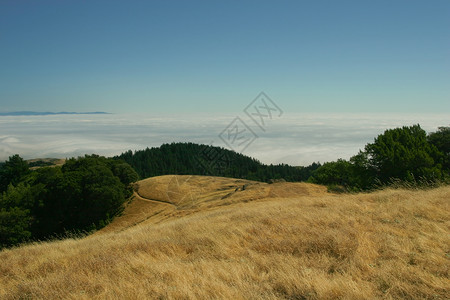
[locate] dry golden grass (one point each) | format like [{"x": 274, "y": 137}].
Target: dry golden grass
[
  {"x": 158, "y": 199},
  {"x": 286, "y": 240}
]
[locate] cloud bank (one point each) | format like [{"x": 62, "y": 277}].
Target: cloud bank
[{"x": 297, "y": 139}]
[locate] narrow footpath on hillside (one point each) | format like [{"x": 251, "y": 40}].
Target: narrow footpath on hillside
[{"x": 139, "y": 197}]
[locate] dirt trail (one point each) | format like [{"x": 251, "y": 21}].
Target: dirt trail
[{"x": 139, "y": 197}]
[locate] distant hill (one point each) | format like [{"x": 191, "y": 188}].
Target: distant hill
[
  {"x": 45, "y": 162},
  {"x": 47, "y": 113},
  {"x": 196, "y": 159}
]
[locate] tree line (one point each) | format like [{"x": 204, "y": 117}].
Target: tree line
[
  {"x": 407, "y": 154},
  {"x": 195, "y": 159}
]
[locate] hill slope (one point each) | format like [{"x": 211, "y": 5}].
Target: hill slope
[
  {"x": 171, "y": 196},
  {"x": 285, "y": 240}
]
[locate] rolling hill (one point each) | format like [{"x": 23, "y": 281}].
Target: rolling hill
[
  {"x": 191, "y": 237},
  {"x": 172, "y": 196}
]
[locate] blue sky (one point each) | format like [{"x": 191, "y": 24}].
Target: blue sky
[{"x": 216, "y": 56}]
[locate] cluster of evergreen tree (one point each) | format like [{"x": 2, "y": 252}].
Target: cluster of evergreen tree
[
  {"x": 82, "y": 195},
  {"x": 404, "y": 154},
  {"x": 195, "y": 159}
]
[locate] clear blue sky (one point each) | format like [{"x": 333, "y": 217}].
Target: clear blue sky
[{"x": 216, "y": 56}]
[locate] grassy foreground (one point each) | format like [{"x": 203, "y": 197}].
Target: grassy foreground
[{"x": 211, "y": 238}]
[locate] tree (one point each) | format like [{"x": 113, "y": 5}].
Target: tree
[
  {"x": 84, "y": 194},
  {"x": 123, "y": 171},
  {"x": 441, "y": 140},
  {"x": 194, "y": 159},
  {"x": 364, "y": 175},
  {"x": 404, "y": 153},
  {"x": 12, "y": 171},
  {"x": 15, "y": 217},
  {"x": 14, "y": 226},
  {"x": 340, "y": 172}
]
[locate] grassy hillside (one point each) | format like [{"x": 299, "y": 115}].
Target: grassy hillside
[
  {"x": 189, "y": 237},
  {"x": 172, "y": 196}
]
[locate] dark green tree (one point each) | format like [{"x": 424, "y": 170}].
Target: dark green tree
[
  {"x": 195, "y": 159},
  {"x": 123, "y": 171},
  {"x": 363, "y": 175},
  {"x": 441, "y": 140},
  {"x": 339, "y": 173},
  {"x": 15, "y": 217},
  {"x": 14, "y": 226},
  {"x": 84, "y": 194},
  {"x": 12, "y": 171},
  {"x": 405, "y": 154}
]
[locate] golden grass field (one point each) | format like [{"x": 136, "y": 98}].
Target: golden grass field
[{"x": 194, "y": 237}]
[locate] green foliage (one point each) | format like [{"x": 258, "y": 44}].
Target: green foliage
[
  {"x": 12, "y": 172},
  {"x": 404, "y": 153},
  {"x": 84, "y": 194},
  {"x": 123, "y": 171},
  {"x": 333, "y": 173},
  {"x": 338, "y": 175},
  {"x": 14, "y": 226},
  {"x": 398, "y": 155},
  {"x": 18, "y": 196},
  {"x": 194, "y": 159},
  {"x": 364, "y": 176},
  {"x": 441, "y": 140}
]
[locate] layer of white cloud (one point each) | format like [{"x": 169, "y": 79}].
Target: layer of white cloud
[{"x": 297, "y": 139}]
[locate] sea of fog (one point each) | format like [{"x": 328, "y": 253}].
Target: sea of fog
[{"x": 297, "y": 139}]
